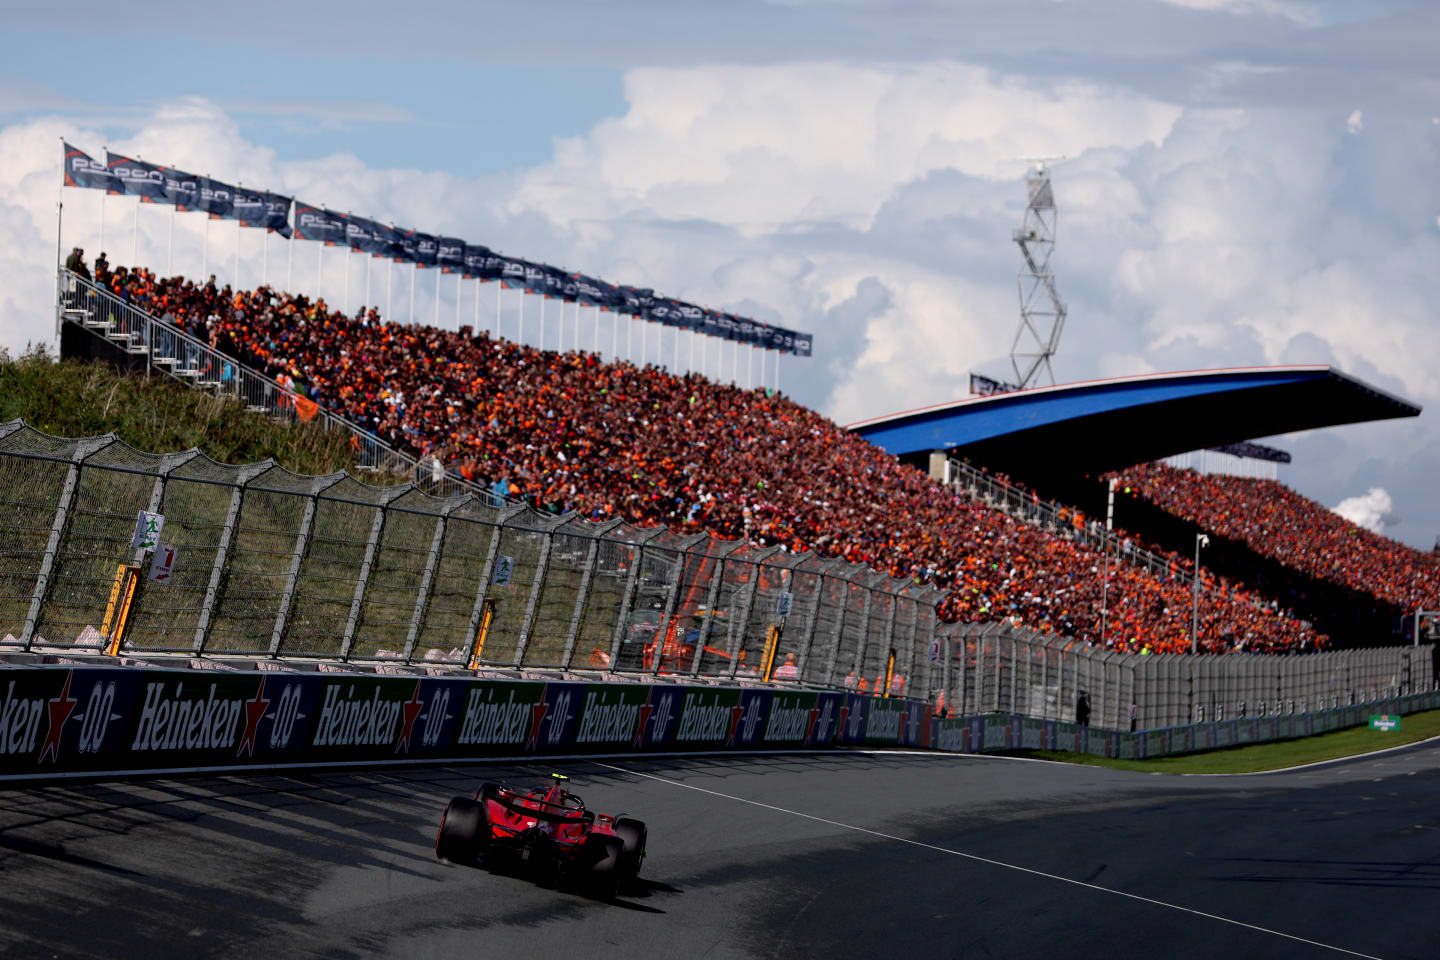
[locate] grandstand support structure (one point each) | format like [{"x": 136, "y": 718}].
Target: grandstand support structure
[{"x": 1042, "y": 312}]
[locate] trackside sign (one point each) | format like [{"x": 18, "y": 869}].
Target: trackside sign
[{"x": 82, "y": 719}]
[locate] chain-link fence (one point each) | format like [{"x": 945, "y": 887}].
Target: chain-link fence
[
  {"x": 999, "y": 668},
  {"x": 271, "y": 563}
]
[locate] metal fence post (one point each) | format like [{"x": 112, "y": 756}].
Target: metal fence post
[
  {"x": 834, "y": 657},
  {"x": 478, "y": 611},
  {"x": 222, "y": 552},
  {"x": 737, "y": 633},
  {"x": 670, "y": 597},
  {"x": 586, "y": 576},
  {"x": 910, "y": 654},
  {"x": 83, "y": 450},
  {"x": 864, "y": 635},
  {"x": 427, "y": 579},
  {"x": 528, "y": 620},
  {"x": 302, "y": 545},
  {"x": 708, "y": 623},
  {"x": 628, "y": 599},
  {"x": 362, "y": 583},
  {"x": 809, "y": 640}
]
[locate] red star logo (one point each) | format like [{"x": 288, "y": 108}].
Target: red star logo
[
  {"x": 254, "y": 710},
  {"x": 537, "y": 713},
  {"x": 735, "y": 713},
  {"x": 844, "y": 712},
  {"x": 645, "y": 711},
  {"x": 412, "y": 710},
  {"x": 810, "y": 730},
  {"x": 904, "y": 724},
  {"x": 60, "y": 708}
]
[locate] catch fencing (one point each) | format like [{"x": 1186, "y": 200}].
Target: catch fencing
[
  {"x": 1002, "y": 668},
  {"x": 271, "y": 563}
]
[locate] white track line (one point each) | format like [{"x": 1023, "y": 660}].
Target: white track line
[{"x": 993, "y": 863}]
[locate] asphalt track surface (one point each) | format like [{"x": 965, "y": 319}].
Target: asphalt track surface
[{"x": 838, "y": 855}]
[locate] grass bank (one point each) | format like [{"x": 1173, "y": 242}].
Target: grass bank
[
  {"x": 158, "y": 415},
  {"x": 1269, "y": 756}
]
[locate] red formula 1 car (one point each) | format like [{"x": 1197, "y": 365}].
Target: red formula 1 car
[{"x": 545, "y": 830}]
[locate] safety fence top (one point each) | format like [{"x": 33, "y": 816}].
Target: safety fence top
[{"x": 255, "y": 560}]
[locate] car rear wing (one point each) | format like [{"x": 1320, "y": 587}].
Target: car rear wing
[{"x": 538, "y": 809}]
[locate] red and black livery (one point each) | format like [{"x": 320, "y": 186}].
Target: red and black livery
[{"x": 545, "y": 830}]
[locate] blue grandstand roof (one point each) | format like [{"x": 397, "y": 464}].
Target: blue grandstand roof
[{"x": 1101, "y": 425}]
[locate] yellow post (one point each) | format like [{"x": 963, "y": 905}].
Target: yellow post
[
  {"x": 117, "y": 611},
  {"x": 772, "y": 643},
  {"x": 480, "y": 636},
  {"x": 889, "y": 672}
]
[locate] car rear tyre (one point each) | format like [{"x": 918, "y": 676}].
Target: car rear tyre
[
  {"x": 464, "y": 831},
  {"x": 632, "y": 837},
  {"x": 605, "y": 876}
]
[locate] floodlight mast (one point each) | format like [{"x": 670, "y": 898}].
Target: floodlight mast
[{"x": 1042, "y": 314}]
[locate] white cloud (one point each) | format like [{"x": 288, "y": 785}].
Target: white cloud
[
  {"x": 1372, "y": 510},
  {"x": 1295, "y": 10},
  {"x": 1355, "y": 122}
]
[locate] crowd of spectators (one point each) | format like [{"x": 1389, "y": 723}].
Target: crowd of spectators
[
  {"x": 1276, "y": 522},
  {"x": 568, "y": 431}
]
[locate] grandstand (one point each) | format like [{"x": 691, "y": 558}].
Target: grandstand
[{"x": 568, "y": 432}]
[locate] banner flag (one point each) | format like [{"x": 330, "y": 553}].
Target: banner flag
[
  {"x": 82, "y": 170},
  {"x": 427, "y": 250},
  {"x": 512, "y": 273},
  {"x": 475, "y": 261},
  {"x": 384, "y": 240},
  {"x": 555, "y": 283},
  {"x": 802, "y": 344},
  {"x": 450, "y": 254},
  {"x": 494, "y": 268},
  {"x": 335, "y": 228},
  {"x": 310, "y": 222},
  {"x": 745, "y": 330},
  {"x": 408, "y": 250},
  {"x": 984, "y": 386},
  {"x": 136, "y": 178},
  {"x": 360, "y": 234},
  {"x": 216, "y": 198},
  {"x": 269, "y": 211},
  {"x": 277, "y": 214},
  {"x": 182, "y": 189}
]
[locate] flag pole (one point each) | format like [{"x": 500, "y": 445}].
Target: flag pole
[
  {"x": 170, "y": 245},
  {"x": 59, "y": 240},
  {"x": 205, "y": 255},
  {"x": 499, "y": 286},
  {"x": 459, "y": 276},
  {"x": 476, "y": 330},
  {"x": 135, "y": 235},
  {"x": 237, "y": 254},
  {"x": 389, "y": 287},
  {"x": 414, "y": 271},
  {"x": 542, "y": 322},
  {"x": 437, "y": 294}
]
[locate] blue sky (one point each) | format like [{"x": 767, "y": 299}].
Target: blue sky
[
  {"x": 471, "y": 118},
  {"x": 1250, "y": 181}
]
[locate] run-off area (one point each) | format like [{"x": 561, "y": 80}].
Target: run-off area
[{"x": 837, "y": 855}]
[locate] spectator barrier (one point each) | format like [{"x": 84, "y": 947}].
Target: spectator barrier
[
  {"x": 269, "y": 563},
  {"x": 1001, "y": 668},
  {"x": 117, "y": 721}
]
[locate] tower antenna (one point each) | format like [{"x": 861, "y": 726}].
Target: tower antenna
[{"x": 1042, "y": 313}]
